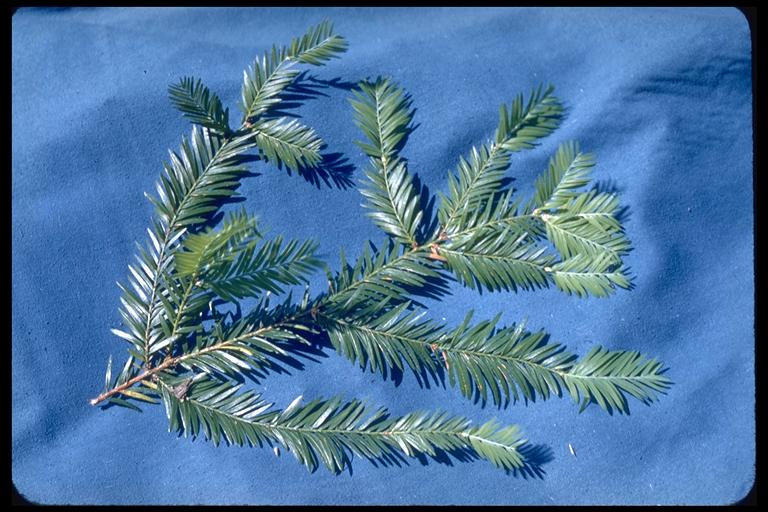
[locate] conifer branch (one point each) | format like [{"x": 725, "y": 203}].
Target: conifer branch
[
  {"x": 257, "y": 338},
  {"x": 266, "y": 79},
  {"x": 207, "y": 170},
  {"x": 188, "y": 354},
  {"x": 328, "y": 430},
  {"x": 287, "y": 142},
  {"x": 198, "y": 104},
  {"x": 480, "y": 358},
  {"x": 481, "y": 177},
  {"x": 382, "y": 113}
]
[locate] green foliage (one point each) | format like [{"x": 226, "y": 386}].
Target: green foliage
[
  {"x": 268, "y": 268},
  {"x": 481, "y": 177},
  {"x": 328, "y": 430},
  {"x": 600, "y": 209},
  {"x": 568, "y": 170},
  {"x": 520, "y": 127},
  {"x": 603, "y": 374},
  {"x": 582, "y": 275},
  {"x": 267, "y": 78},
  {"x": 211, "y": 247},
  {"x": 318, "y": 45},
  {"x": 199, "y": 105},
  {"x": 381, "y": 113},
  {"x": 509, "y": 363},
  {"x": 394, "y": 201},
  {"x": 190, "y": 351},
  {"x": 288, "y": 142},
  {"x": 383, "y": 338},
  {"x": 495, "y": 246},
  {"x": 573, "y": 235},
  {"x": 389, "y": 274},
  {"x": 498, "y": 258},
  {"x": 264, "y": 81},
  {"x": 230, "y": 349},
  {"x": 206, "y": 169}
]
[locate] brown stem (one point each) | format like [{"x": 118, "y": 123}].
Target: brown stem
[
  {"x": 138, "y": 378},
  {"x": 434, "y": 254},
  {"x": 175, "y": 360}
]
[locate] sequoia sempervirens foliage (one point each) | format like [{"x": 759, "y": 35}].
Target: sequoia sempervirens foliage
[{"x": 188, "y": 351}]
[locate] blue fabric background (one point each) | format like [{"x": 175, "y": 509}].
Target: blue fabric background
[{"x": 661, "y": 96}]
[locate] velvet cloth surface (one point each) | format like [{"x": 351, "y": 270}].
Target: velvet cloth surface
[{"x": 662, "y": 97}]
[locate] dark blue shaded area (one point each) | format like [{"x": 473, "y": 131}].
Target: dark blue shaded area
[{"x": 661, "y": 96}]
